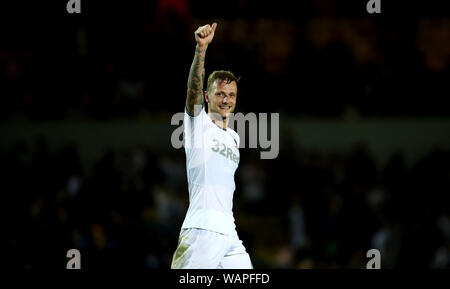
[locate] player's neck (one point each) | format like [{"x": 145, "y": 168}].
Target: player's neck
[{"x": 222, "y": 123}]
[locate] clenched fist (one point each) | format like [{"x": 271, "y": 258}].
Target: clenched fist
[{"x": 205, "y": 34}]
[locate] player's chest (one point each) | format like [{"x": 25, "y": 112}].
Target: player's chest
[{"x": 222, "y": 148}]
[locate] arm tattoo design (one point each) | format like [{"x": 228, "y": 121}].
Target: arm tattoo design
[{"x": 195, "y": 81}]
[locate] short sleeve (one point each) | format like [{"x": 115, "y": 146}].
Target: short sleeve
[{"x": 194, "y": 127}]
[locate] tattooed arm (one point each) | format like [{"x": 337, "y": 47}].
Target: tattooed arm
[{"x": 203, "y": 36}]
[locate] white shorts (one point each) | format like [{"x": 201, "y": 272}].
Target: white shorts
[{"x": 203, "y": 249}]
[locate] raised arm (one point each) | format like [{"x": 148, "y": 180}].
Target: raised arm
[{"x": 203, "y": 36}]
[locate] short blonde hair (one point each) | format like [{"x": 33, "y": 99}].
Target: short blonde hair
[{"x": 221, "y": 75}]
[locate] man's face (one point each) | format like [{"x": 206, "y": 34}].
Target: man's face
[{"x": 221, "y": 97}]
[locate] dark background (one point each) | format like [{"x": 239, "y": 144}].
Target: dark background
[{"x": 129, "y": 61}]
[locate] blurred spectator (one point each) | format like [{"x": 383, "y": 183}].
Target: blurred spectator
[
  {"x": 299, "y": 237},
  {"x": 252, "y": 177}
]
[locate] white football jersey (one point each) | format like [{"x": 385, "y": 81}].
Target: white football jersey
[{"x": 212, "y": 157}]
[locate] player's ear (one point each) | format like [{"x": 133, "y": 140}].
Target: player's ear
[{"x": 206, "y": 96}]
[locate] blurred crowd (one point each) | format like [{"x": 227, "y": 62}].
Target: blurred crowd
[
  {"x": 132, "y": 60},
  {"x": 305, "y": 209}
]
